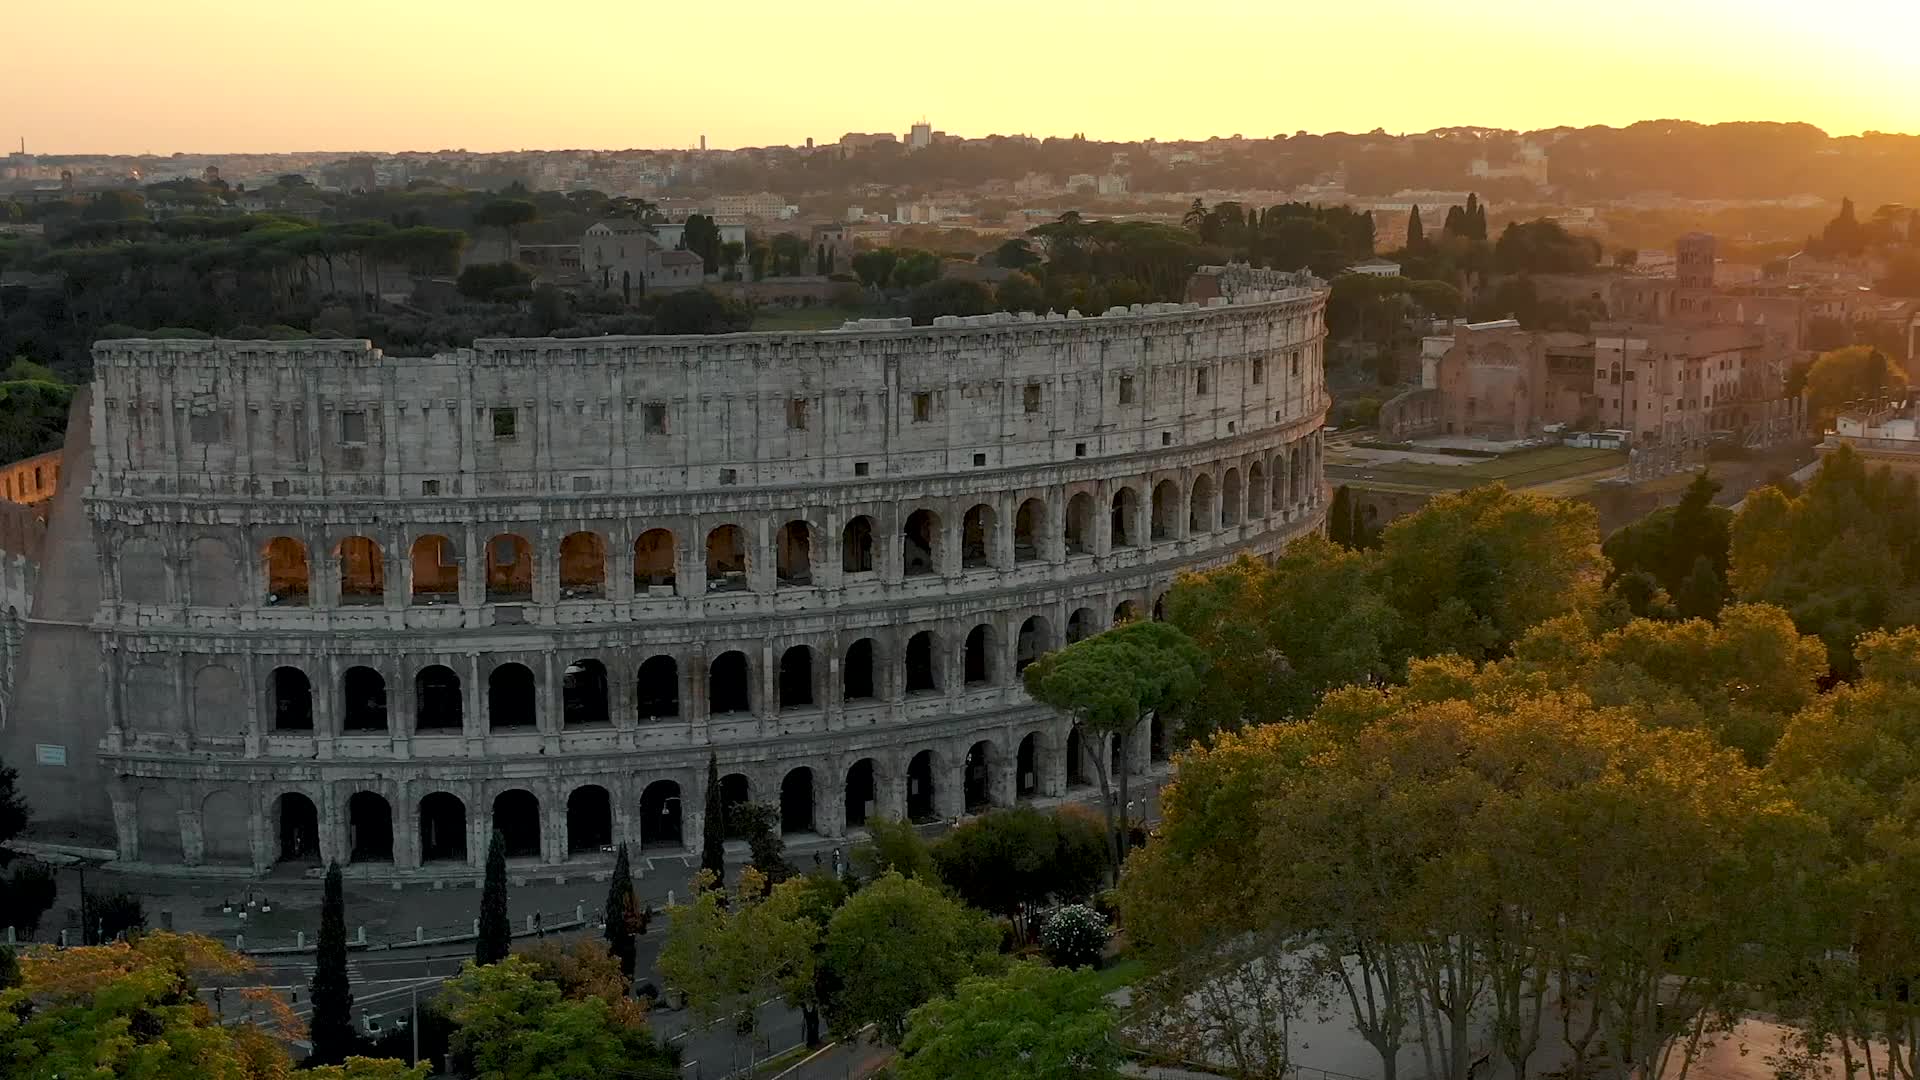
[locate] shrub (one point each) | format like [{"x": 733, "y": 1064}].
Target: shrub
[{"x": 1074, "y": 936}]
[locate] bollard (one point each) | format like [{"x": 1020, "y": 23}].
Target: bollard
[
  {"x": 239, "y": 943},
  {"x": 669, "y": 897},
  {"x": 299, "y": 939},
  {"x": 360, "y": 938},
  {"x": 529, "y": 924},
  {"x": 10, "y": 939},
  {"x": 166, "y": 919},
  {"x": 419, "y": 934},
  {"x": 476, "y": 928},
  {"x": 63, "y": 939},
  {"x": 579, "y": 913}
]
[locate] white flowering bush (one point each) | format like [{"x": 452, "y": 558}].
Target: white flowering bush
[{"x": 1074, "y": 936}]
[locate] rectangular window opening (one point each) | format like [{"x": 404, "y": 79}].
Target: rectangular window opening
[
  {"x": 655, "y": 418},
  {"x": 797, "y": 414},
  {"x": 1030, "y": 397},
  {"x": 922, "y": 408},
  {"x": 506, "y": 424},
  {"x": 1126, "y": 389}
]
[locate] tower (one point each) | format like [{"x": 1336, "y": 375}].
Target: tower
[{"x": 1694, "y": 254}]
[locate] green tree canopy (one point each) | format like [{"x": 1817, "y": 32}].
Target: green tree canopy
[
  {"x": 1032, "y": 1023},
  {"x": 896, "y": 945}
]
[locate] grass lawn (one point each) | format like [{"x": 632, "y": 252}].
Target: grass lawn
[
  {"x": 810, "y": 318},
  {"x": 1122, "y": 971},
  {"x": 1521, "y": 469}
]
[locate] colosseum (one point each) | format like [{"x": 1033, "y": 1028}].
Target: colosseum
[{"x": 300, "y": 600}]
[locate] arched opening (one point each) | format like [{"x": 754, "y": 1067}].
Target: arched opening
[
  {"x": 657, "y": 688},
  {"x": 1079, "y": 530},
  {"x": 654, "y": 562},
  {"x": 363, "y": 700},
  {"x": 735, "y": 792},
  {"x": 856, "y": 546},
  {"x": 516, "y": 817},
  {"x": 583, "y": 695},
  {"x": 1298, "y": 486},
  {"x": 976, "y": 538},
  {"x": 509, "y": 569},
  {"x": 1156, "y": 740},
  {"x": 297, "y": 823},
  {"x": 589, "y": 820},
  {"x": 1116, "y": 756},
  {"x": 660, "y": 815},
  {"x": 510, "y": 698},
  {"x": 1200, "y": 505},
  {"x": 726, "y": 559},
  {"x": 1126, "y": 511},
  {"x": 1280, "y": 483},
  {"x": 1029, "y": 525},
  {"x": 438, "y": 703},
  {"x": 922, "y": 536},
  {"x": 1230, "y": 499},
  {"x": 730, "y": 684},
  {"x": 583, "y": 566},
  {"x": 369, "y": 828},
  {"x": 920, "y": 805},
  {"x": 793, "y": 554},
  {"x": 443, "y": 828},
  {"x": 979, "y": 778},
  {"x": 979, "y": 658},
  {"x": 363, "y": 573},
  {"x": 856, "y": 675},
  {"x": 1079, "y": 625},
  {"x": 1160, "y": 608},
  {"x": 292, "y": 697},
  {"x": 796, "y": 801},
  {"x": 1036, "y": 637},
  {"x": 1166, "y": 510},
  {"x": 860, "y": 793},
  {"x": 1125, "y": 612},
  {"x": 1026, "y": 767},
  {"x": 213, "y": 575},
  {"x": 287, "y": 575},
  {"x": 436, "y": 571},
  {"x": 1076, "y": 760},
  {"x": 1256, "y": 491},
  {"x": 922, "y": 678},
  {"x": 796, "y": 678}
]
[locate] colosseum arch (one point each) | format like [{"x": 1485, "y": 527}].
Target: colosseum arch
[
  {"x": 1078, "y": 533},
  {"x": 589, "y": 820},
  {"x": 793, "y": 554},
  {"x": 296, "y": 828},
  {"x": 1029, "y": 525},
  {"x": 219, "y": 703},
  {"x": 443, "y": 828},
  {"x": 856, "y": 546},
  {"x": 976, "y": 537},
  {"x": 1081, "y": 625},
  {"x": 1256, "y": 491},
  {"x": 214, "y": 573},
  {"x": 439, "y": 704},
  {"x": 979, "y": 656},
  {"x": 151, "y": 704},
  {"x": 584, "y": 695},
  {"x": 726, "y": 559},
  {"x": 796, "y": 801},
  {"x": 796, "y": 678},
  {"x": 657, "y": 689},
  {"x": 1200, "y": 505},
  {"x": 143, "y": 571},
  {"x": 857, "y": 682},
  {"x": 512, "y": 701},
  {"x": 1297, "y": 482},
  {"x": 583, "y": 566},
  {"x": 1126, "y": 515},
  {"x": 224, "y": 834},
  {"x": 290, "y": 699},
  {"x": 436, "y": 570},
  {"x": 921, "y": 804},
  {"x": 922, "y": 663},
  {"x": 730, "y": 684},
  {"x": 509, "y": 569},
  {"x": 369, "y": 828},
  {"x": 286, "y": 572},
  {"x": 1230, "y": 494},
  {"x": 922, "y": 543},
  {"x": 660, "y": 816},
  {"x": 363, "y": 700},
  {"x": 1280, "y": 470},
  {"x": 1036, "y": 639},
  {"x": 655, "y": 560},
  {"x": 363, "y": 570},
  {"x": 516, "y": 817},
  {"x": 1125, "y": 612},
  {"x": 862, "y": 792},
  {"x": 977, "y": 776},
  {"x": 1026, "y": 766},
  {"x": 1166, "y": 511},
  {"x": 157, "y": 815}
]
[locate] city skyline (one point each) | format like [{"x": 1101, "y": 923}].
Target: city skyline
[{"x": 608, "y": 79}]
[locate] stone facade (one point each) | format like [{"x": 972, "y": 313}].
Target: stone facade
[{"x": 317, "y": 601}]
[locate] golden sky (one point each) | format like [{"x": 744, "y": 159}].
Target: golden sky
[{"x": 130, "y": 76}]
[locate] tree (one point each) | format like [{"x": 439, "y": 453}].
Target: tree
[
  {"x": 896, "y": 945},
  {"x": 1009, "y": 860},
  {"x": 1667, "y": 542},
  {"x": 507, "y": 215},
  {"x": 713, "y": 839},
  {"x": 1701, "y": 592},
  {"x": 104, "y": 916},
  {"x": 1107, "y": 684},
  {"x": 26, "y": 892},
  {"x": 875, "y": 267},
  {"x": 728, "y": 953},
  {"x": 1020, "y": 292},
  {"x": 759, "y": 825},
  {"x": 947, "y": 296},
  {"x": 730, "y": 254},
  {"x": 622, "y": 914},
  {"x": 1015, "y": 254},
  {"x": 1075, "y": 936},
  {"x": 702, "y": 237},
  {"x": 1416, "y": 234},
  {"x": 498, "y": 282},
  {"x": 699, "y": 311},
  {"x": 14, "y": 811},
  {"x": 495, "y": 939},
  {"x": 513, "y": 1024},
  {"x": 895, "y": 847},
  {"x": 333, "y": 1036},
  {"x": 1855, "y": 373},
  {"x": 1032, "y": 1023}
]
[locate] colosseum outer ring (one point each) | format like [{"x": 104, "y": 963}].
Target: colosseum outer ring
[{"x": 346, "y": 605}]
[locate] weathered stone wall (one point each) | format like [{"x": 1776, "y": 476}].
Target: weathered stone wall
[{"x": 335, "y": 590}]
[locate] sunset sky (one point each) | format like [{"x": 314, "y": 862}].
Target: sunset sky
[{"x": 131, "y": 76}]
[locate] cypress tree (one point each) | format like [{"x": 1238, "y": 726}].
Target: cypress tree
[
  {"x": 1416, "y": 235},
  {"x": 333, "y": 1038},
  {"x": 1456, "y": 224},
  {"x": 623, "y": 914},
  {"x": 713, "y": 855},
  {"x": 496, "y": 935}
]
